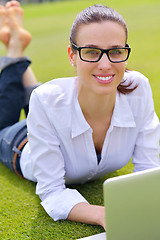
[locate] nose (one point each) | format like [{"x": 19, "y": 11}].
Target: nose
[{"x": 104, "y": 62}]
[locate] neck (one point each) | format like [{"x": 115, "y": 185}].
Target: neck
[{"x": 96, "y": 106}]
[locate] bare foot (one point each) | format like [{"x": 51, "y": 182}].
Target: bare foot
[
  {"x": 19, "y": 37},
  {"x": 4, "y": 27}
]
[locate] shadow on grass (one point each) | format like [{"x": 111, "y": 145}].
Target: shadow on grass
[
  {"x": 22, "y": 216},
  {"x": 43, "y": 227}
]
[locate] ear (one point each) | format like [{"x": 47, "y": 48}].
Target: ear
[{"x": 71, "y": 56}]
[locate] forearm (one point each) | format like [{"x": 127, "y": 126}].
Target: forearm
[{"x": 87, "y": 213}]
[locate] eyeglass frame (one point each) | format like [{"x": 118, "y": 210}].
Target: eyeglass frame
[{"x": 75, "y": 47}]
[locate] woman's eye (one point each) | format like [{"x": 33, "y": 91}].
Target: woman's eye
[
  {"x": 116, "y": 52},
  {"x": 92, "y": 52}
]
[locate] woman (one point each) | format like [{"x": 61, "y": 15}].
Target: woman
[{"x": 83, "y": 127}]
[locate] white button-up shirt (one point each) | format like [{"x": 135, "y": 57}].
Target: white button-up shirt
[{"x": 61, "y": 151}]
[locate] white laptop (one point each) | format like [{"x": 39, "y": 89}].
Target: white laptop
[{"x": 132, "y": 207}]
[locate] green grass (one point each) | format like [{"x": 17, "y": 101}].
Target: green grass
[{"x": 21, "y": 215}]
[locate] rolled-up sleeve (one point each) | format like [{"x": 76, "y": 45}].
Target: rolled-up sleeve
[
  {"x": 59, "y": 203},
  {"x": 48, "y": 163}
]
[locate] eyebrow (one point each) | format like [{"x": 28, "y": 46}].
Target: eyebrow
[
  {"x": 91, "y": 45},
  {"x": 95, "y": 46},
  {"x": 117, "y": 46}
]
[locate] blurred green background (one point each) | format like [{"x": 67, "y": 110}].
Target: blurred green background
[{"x": 21, "y": 215}]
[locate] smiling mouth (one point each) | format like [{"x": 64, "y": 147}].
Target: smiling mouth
[{"x": 102, "y": 79}]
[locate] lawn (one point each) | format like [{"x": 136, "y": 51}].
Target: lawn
[{"x": 21, "y": 215}]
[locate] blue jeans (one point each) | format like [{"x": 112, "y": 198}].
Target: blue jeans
[{"x": 12, "y": 131}]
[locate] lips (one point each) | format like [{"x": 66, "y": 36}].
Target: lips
[{"x": 104, "y": 79}]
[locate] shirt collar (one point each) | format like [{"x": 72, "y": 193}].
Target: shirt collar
[{"x": 122, "y": 116}]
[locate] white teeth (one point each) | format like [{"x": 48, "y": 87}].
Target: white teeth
[{"x": 104, "y": 78}]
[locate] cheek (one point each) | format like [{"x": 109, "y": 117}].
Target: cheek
[
  {"x": 121, "y": 67},
  {"x": 120, "y": 72},
  {"x": 82, "y": 68}
]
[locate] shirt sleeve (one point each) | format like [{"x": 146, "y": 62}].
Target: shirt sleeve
[
  {"x": 48, "y": 163},
  {"x": 146, "y": 153}
]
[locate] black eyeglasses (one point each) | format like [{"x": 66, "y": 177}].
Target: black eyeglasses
[{"x": 91, "y": 54}]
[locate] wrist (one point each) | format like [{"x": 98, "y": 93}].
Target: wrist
[{"x": 100, "y": 216}]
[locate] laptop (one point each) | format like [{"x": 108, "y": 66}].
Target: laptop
[{"x": 132, "y": 207}]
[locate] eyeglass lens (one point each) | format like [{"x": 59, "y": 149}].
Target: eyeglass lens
[{"x": 93, "y": 54}]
